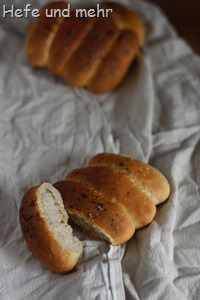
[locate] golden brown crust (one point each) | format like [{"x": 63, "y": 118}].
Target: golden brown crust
[
  {"x": 114, "y": 187},
  {"x": 116, "y": 63},
  {"x": 108, "y": 217},
  {"x": 41, "y": 34},
  {"x": 125, "y": 18},
  {"x": 40, "y": 239},
  {"x": 146, "y": 175},
  {"x": 68, "y": 38},
  {"x": 88, "y": 56},
  {"x": 81, "y": 50},
  {"x": 117, "y": 186}
]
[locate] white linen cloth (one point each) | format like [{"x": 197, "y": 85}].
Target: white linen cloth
[{"x": 48, "y": 128}]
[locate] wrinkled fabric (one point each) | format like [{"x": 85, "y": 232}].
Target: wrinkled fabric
[{"x": 48, "y": 128}]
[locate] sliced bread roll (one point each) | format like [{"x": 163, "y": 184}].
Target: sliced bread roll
[
  {"x": 113, "y": 196},
  {"x": 44, "y": 224}
]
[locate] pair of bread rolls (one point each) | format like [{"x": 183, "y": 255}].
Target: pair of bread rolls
[
  {"x": 95, "y": 53},
  {"x": 109, "y": 199}
]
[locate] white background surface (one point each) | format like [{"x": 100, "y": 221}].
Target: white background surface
[{"x": 47, "y": 128}]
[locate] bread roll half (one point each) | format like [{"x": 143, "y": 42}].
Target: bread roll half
[{"x": 44, "y": 224}]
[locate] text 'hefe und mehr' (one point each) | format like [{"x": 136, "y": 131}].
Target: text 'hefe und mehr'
[{"x": 28, "y": 11}]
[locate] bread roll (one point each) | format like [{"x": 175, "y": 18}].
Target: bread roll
[
  {"x": 91, "y": 52},
  {"x": 44, "y": 226},
  {"x": 113, "y": 196}
]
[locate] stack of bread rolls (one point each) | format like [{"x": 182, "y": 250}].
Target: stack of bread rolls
[
  {"x": 95, "y": 53},
  {"x": 108, "y": 199}
]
